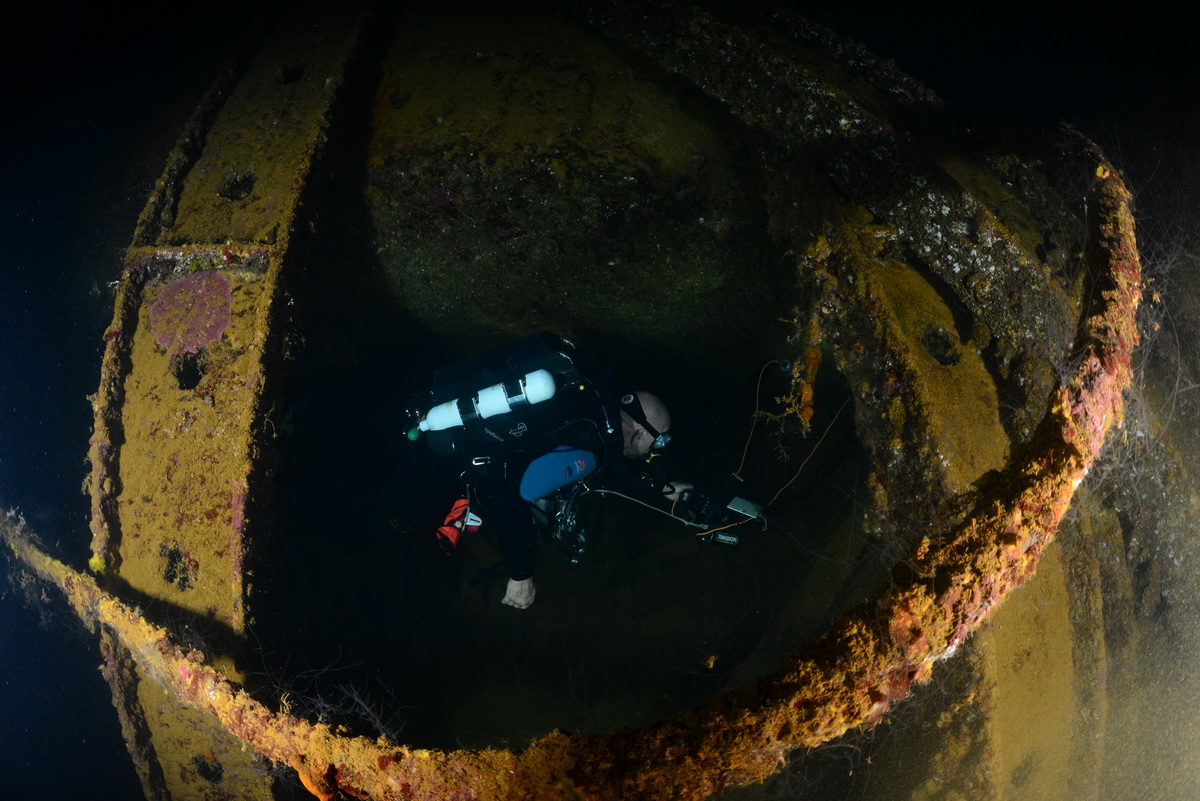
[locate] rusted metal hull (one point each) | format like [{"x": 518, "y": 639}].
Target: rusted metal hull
[
  {"x": 849, "y": 678},
  {"x": 179, "y": 416},
  {"x": 181, "y": 435}
]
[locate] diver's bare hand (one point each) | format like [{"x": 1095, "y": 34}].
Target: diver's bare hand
[{"x": 519, "y": 594}]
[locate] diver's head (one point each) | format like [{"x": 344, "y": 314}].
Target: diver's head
[{"x": 644, "y": 423}]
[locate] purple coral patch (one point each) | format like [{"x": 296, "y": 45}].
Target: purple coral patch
[{"x": 191, "y": 312}]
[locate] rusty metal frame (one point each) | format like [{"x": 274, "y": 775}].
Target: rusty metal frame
[{"x": 848, "y": 678}]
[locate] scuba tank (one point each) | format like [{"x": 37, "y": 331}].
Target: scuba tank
[
  {"x": 504, "y": 399},
  {"x": 497, "y": 399}
]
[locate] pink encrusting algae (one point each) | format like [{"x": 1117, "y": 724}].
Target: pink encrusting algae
[{"x": 191, "y": 312}]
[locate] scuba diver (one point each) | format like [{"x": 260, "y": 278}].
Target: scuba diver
[{"x": 528, "y": 419}]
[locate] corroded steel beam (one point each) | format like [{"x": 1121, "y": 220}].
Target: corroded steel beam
[
  {"x": 848, "y": 678},
  {"x": 177, "y": 456},
  {"x": 179, "y": 408}
]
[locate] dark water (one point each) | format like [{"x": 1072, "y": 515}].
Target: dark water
[
  {"x": 89, "y": 120},
  {"x": 87, "y": 129},
  {"x": 54, "y": 709}
]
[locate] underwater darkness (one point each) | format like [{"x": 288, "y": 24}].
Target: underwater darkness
[{"x": 90, "y": 121}]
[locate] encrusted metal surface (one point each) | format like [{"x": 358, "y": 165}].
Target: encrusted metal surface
[
  {"x": 925, "y": 271},
  {"x": 180, "y": 411}
]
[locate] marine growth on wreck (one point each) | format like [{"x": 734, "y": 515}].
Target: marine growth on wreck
[{"x": 662, "y": 179}]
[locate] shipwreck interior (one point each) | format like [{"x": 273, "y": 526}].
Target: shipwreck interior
[
  {"x": 935, "y": 356},
  {"x": 507, "y": 189}
]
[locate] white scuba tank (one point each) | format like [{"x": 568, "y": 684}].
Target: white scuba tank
[{"x": 534, "y": 387}]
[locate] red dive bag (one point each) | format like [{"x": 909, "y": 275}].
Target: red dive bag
[{"x": 458, "y": 520}]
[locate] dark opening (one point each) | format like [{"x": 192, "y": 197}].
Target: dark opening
[
  {"x": 290, "y": 73},
  {"x": 237, "y": 185},
  {"x": 189, "y": 368},
  {"x": 941, "y": 346}
]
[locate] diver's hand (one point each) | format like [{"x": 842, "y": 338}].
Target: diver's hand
[
  {"x": 679, "y": 488},
  {"x": 519, "y": 594}
]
